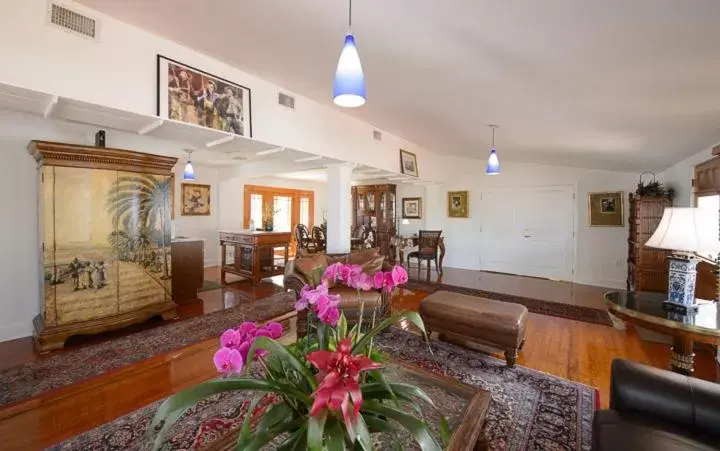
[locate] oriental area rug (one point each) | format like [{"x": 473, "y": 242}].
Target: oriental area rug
[
  {"x": 542, "y": 307},
  {"x": 529, "y": 409},
  {"x": 58, "y": 370}
]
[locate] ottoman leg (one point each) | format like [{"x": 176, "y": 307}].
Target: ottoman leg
[{"x": 511, "y": 357}]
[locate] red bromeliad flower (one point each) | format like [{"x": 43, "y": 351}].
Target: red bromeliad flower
[{"x": 339, "y": 381}]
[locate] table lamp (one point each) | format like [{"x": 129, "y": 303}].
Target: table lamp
[{"x": 692, "y": 235}]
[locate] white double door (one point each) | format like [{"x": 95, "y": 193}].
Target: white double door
[{"x": 529, "y": 231}]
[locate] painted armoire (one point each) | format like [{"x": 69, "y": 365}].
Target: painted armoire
[{"x": 104, "y": 224}]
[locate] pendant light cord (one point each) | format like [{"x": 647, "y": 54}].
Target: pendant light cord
[
  {"x": 350, "y": 15},
  {"x": 493, "y": 137}
]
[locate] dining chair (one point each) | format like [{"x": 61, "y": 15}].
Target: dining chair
[
  {"x": 428, "y": 244},
  {"x": 302, "y": 236},
  {"x": 319, "y": 238}
]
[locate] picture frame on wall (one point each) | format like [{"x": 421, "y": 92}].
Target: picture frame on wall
[
  {"x": 190, "y": 95},
  {"x": 458, "y": 204},
  {"x": 412, "y": 208},
  {"x": 408, "y": 163},
  {"x": 195, "y": 199},
  {"x": 606, "y": 209}
]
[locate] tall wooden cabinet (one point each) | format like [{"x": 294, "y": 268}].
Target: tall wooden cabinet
[
  {"x": 104, "y": 224},
  {"x": 375, "y": 206},
  {"x": 647, "y": 267}
]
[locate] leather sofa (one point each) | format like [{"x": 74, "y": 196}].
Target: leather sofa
[
  {"x": 654, "y": 409},
  {"x": 350, "y": 304}
]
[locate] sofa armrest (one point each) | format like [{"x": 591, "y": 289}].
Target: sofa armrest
[
  {"x": 293, "y": 280},
  {"x": 665, "y": 395}
]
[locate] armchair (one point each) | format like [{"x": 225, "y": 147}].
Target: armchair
[
  {"x": 295, "y": 279},
  {"x": 657, "y": 409}
]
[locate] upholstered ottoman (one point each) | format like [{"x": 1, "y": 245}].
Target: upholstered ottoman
[{"x": 489, "y": 323}]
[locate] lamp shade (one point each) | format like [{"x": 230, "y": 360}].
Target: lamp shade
[
  {"x": 493, "y": 164},
  {"x": 189, "y": 172},
  {"x": 693, "y": 230},
  {"x": 349, "y": 85}
]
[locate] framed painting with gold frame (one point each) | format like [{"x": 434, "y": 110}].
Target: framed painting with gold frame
[
  {"x": 458, "y": 204},
  {"x": 606, "y": 209},
  {"x": 408, "y": 163},
  {"x": 195, "y": 199}
]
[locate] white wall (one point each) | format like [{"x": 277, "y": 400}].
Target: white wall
[
  {"x": 205, "y": 227},
  {"x": 119, "y": 70},
  {"x": 600, "y": 252},
  {"x": 679, "y": 177},
  {"x": 232, "y": 190}
]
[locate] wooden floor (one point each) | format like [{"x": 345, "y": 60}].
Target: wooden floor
[{"x": 574, "y": 350}]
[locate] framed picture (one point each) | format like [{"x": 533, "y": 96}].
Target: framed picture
[
  {"x": 458, "y": 204},
  {"x": 408, "y": 163},
  {"x": 606, "y": 209},
  {"x": 195, "y": 199},
  {"x": 190, "y": 95},
  {"x": 412, "y": 208}
]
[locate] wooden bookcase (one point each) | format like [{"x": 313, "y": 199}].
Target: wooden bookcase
[{"x": 647, "y": 267}]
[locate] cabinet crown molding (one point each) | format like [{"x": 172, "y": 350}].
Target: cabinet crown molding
[{"x": 79, "y": 156}]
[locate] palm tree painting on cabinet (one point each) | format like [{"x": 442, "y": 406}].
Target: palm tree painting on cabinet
[{"x": 106, "y": 242}]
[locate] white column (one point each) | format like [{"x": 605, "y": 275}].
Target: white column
[{"x": 339, "y": 209}]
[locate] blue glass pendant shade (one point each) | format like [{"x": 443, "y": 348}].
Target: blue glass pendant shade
[
  {"x": 493, "y": 164},
  {"x": 189, "y": 173},
  {"x": 349, "y": 85}
]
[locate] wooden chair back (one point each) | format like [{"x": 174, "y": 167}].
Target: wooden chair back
[
  {"x": 302, "y": 236},
  {"x": 428, "y": 243},
  {"x": 319, "y": 238}
]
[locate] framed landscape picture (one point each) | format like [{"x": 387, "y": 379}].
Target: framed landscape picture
[
  {"x": 412, "y": 208},
  {"x": 190, "y": 95},
  {"x": 195, "y": 199},
  {"x": 606, "y": 209},
  {"x": 408, "y": 163},
  {"x": 458, "y": 204}
]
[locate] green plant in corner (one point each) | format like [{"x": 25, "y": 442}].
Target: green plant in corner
[{"x": 329, "y": 386}]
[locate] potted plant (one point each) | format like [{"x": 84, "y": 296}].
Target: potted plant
[
  {"x": 268, "y": 215},
  {"x": 329, "y": 386}
]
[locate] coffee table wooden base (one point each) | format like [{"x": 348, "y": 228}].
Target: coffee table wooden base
[{"x": 682, "y": 359}]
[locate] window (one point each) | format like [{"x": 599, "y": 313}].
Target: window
[
  {"x": 282, "y": 213},
  {"x": 256, "y": 210},
  {"x": 305, "y": 210}
]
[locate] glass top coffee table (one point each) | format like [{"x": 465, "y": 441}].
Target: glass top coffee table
[{"x": 645, "y": 309}]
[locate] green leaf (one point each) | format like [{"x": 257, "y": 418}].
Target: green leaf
[
  {"x": 322, "y": 333},
  {"x": 363, "y": 434},
  {"x": 418, "y": 429},
  {"x": 316, "y": 427},
  {"x": 263, "y": 436},
  {"x": 445, "y": 433},
  {"x": 244, "y": 436},
  {"x": 413, "y": 317},
  {"x": 406, "y": 392},
  {"x": 335, "y": 436},
  {"x": 295, "y": 442},
  {"x": 380, "y": 377},
  {"x": 173, "y": 407},
  {"x": 376, "y": 424},
  {"x": 342, "y": 327},
  {"x": 275, "y": 415},
  {"x": 281, "y": 352}
]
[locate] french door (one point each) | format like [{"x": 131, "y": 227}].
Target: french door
[
  {"x": 284, "y": 206},
  {"x": 529, "y": 231}
]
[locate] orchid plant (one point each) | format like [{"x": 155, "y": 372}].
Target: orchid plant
[{"x": 329, "y": 386}]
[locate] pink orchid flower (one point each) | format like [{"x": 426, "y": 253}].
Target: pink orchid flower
[
  {"x": 399, "y": 275},
  {"x": 275, "y": 329},
  {"x": 389, "y": 283},
  {"x": 228, "y": 361},
  {"x": 230, "y": 338},
  {"x": 378, "y": 280}
]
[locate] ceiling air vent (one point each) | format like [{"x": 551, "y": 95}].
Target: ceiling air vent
[
  {"x": 377, "y": 135},
  {"x": 286, "y": 101},
  {"x": 72, "y": 21}
]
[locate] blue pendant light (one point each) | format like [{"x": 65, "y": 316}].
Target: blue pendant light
[
  {"x": 349, "y": 85},
  {"x": 189, "y": 172},
  {"x": 493, "y": 164}
]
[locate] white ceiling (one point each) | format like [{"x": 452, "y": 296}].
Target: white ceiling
[{"x": 616, "y": 84}]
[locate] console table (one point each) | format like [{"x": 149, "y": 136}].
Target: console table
[
  {"x": 645, "y": 309},
  {"x": 256, "y": 254}
]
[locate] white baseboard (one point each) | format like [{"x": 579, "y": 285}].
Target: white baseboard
[{"x": 15, "y": 330}]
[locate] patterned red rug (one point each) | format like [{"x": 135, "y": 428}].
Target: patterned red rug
[
  {"x": 24, "y": 381},
  {"x": 529, "y": 409},
  {"x": 542, "y": 307}
]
